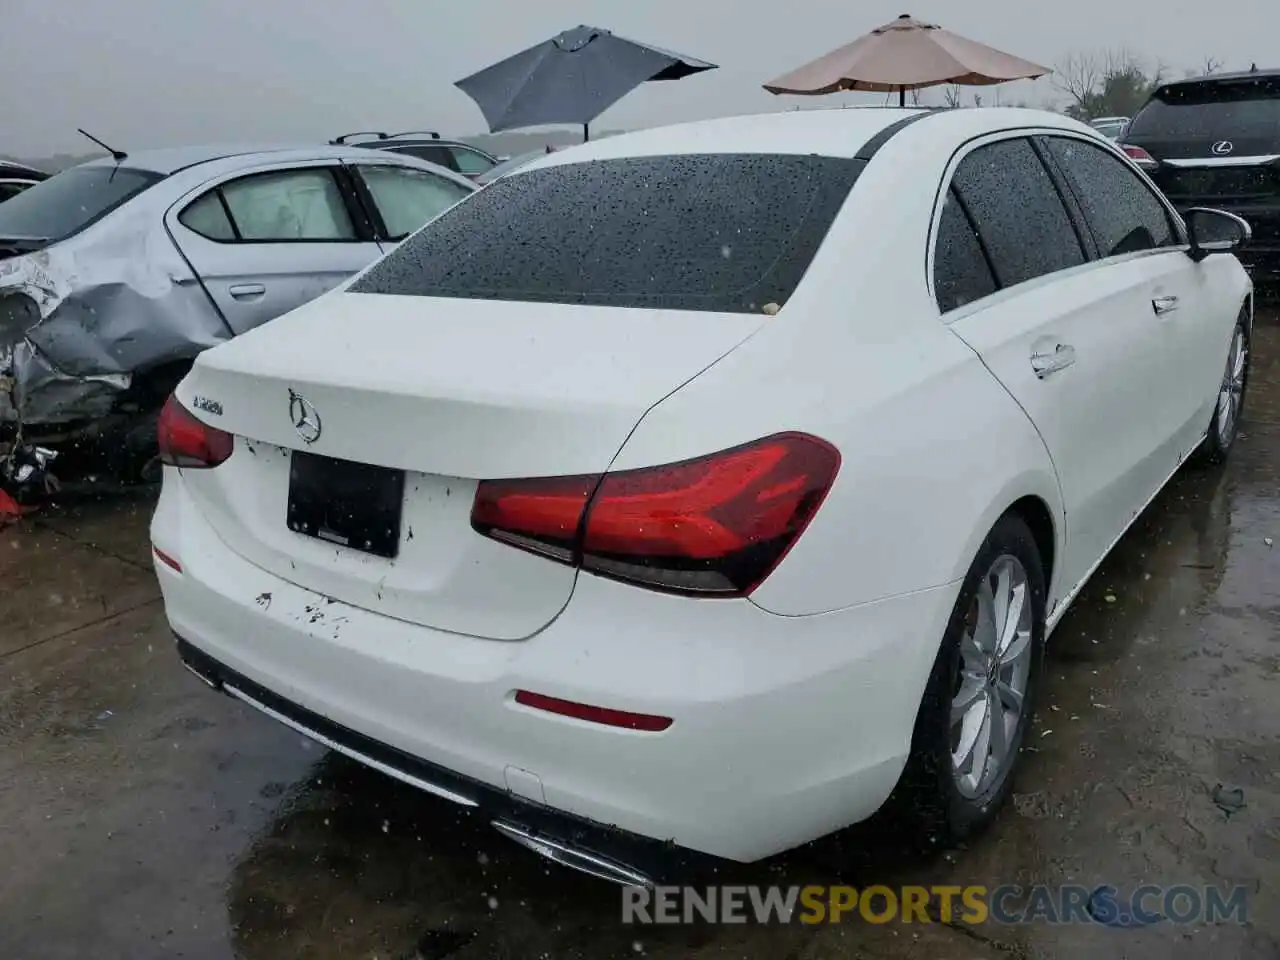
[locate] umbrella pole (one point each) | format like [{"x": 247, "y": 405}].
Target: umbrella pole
[
  {"x": 902, "y": 96},
  {"x": 586, "y": 132}
]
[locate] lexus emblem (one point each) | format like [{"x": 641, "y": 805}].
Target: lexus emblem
[
  {"x": 1222, "y": 148},
  {"x": 305, "y": 419}
]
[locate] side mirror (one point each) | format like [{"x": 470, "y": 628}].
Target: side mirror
[{"x": 1215, "y": 231}]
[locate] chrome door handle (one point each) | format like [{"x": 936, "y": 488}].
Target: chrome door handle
[
  {"x": 247, "y": 291},
  {"x": 1163, "y": 305},
  {"x": 1061, "y": 357}
]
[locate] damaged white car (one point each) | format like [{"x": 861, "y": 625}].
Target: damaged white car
[{"x": 115, "y": 274}]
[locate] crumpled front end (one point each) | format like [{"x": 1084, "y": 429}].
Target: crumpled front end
[{"x": 82, "y": 320}]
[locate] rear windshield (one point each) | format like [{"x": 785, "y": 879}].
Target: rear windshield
[
  {"x": 716, "y": 232},
  {"x": 70, "y": 201},
  {"x": 1218, "y": 110}
]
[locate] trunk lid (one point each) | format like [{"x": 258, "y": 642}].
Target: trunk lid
[{"x": 451, "y": 392}]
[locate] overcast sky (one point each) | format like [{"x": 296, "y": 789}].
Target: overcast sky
[{"x": 164, "y": 72}]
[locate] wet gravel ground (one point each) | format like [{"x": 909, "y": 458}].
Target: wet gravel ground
[{"x": 143, "y": 816}]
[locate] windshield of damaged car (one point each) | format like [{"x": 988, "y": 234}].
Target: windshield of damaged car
[
  {"x": 729, "y": 233},
  {"x": 70, "y": 201}
]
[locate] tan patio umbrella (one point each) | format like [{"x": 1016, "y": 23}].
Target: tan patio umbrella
[{"x": 906, "y": 54}]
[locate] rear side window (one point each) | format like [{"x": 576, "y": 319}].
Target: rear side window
[
  {"x": 1017, "y": 211},
  {"x": 1212, "y": 111},
  {"x": 712, "y": 232},
  {"x": 70, "y": 201},
  {"x": 432, "y": 154},
  {"x": 470, "y": 162},
  {"x": 961, "y": 273},
  {"x": 1123, "y": 213},
  {"x": 408, "y": 198}
]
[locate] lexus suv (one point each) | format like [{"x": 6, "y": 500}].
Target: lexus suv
[{"x": 1215, "y": 142}]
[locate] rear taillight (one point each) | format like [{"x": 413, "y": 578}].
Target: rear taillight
[
  {"x": 1139, "y": 156},
  {"x": 712, "y": 526},
  {"x": 189, "y": 443}
]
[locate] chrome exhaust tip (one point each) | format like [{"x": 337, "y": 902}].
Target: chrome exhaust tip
[{"x": 575, "y": 858}]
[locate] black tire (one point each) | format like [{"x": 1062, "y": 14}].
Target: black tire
[
  {"x": 929, "y": 793},
  {"x": 1222, "y": 437}
]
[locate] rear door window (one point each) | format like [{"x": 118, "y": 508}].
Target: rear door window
[
  {"x": 1017, "y": 211},
  {"x": 408, "y": 198},
  {"x": 1122, "y": 211},
  {"x": 961, "y": 271},
  {"x": 70, "y": 201},
  {"x": 712, "y": 232}
]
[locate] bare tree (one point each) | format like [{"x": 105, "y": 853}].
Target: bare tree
[
  {"x": 1211, "y": 65},
  {"x": 977, "y": 99},
  {"x": 915, "y": 96},
  {"x": 951, "y": 95},
  {"x": 1078, "y": 77}
]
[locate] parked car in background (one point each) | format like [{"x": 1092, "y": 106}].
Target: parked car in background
[
  {"x": 1110, "y": 127},
  {"x": 1215, "y": 141},
  {"x": 627, "y": 505},
  {"x": 16, "y": 177},
  {"x": 113, "y": 276},
  {"x": 510, "y": 165},
  {"x": 463, "y": 158}
]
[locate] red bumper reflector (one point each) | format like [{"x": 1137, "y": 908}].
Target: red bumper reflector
[
  {"x": 580, "y": 711},
  {"x": 167, "y": 560}
]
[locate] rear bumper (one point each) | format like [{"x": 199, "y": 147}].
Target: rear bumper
[
  {"x": 604, "y": 851},
  {"x": 785, "y": 728}
]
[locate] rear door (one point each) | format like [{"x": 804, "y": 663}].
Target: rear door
[
  {"x": 1139, "y": 239},
  {"x": 268, "y": 241},
  {"x": 1064, "y": 335}
]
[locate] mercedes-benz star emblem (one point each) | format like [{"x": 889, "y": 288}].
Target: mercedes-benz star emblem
[
  {"x": 1222, "y": 148},
  {"x": 305, "y": 419}
]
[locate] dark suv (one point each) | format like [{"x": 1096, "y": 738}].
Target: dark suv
[
  {"x": 426, "y": 145},
  {"x": 1215, "y": 142}
]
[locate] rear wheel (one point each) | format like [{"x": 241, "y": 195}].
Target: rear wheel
[
  {"x": 981, "y": 694},
  {"x": 1225, "y": 425}
]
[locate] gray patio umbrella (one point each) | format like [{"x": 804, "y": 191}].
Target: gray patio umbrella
[{"x": 571, "y": 78}]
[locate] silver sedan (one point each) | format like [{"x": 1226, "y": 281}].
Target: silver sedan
[{"x": 115, "y": 274}]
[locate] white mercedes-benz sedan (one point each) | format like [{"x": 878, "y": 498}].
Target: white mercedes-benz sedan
[{"x": 705, "y": 486}]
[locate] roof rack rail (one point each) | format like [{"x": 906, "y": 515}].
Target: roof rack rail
[
  {"x": 376, "y": 134},
  {"x": 414, "y": 133}
]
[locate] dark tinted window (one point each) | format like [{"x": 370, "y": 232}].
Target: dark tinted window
[
  {"x": 718, "y": 232},
  {"x": 432, "y": 154},
  {"x": 69, "y": 202},
  {"x": 1122, "y": 212},
  {"x": 1217, "y": 110},
  {"x": 961, "y": 273},
  {"x": 1017, "y": 211}
]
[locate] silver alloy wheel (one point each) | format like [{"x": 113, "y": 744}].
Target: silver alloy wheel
[
  {"x": 1231, "y": 394},
  {"x": 995, "y": 667}
]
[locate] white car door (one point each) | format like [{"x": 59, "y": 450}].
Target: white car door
[
  {"x": 1061, "y": 335},
  {"x": 1137, "y": 233}
]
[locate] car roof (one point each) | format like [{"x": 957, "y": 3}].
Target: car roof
[
  {"x": 11, "y": 168},
  {"x": 1269, "y": 74},
  {"x": 831, "y": 132},
  {"x": 169, "y": 160}
]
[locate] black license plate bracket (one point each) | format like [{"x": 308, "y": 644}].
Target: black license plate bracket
[{"x": 354, "y": 505}]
